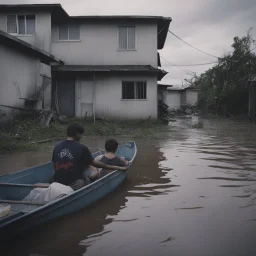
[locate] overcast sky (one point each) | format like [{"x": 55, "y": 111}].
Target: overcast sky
[{"x": 207, "y": 24}]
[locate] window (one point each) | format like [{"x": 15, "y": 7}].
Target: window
[
  {"x": 21, "y": 24},
  {"x": 126, "y": 38},
  {"x": 134, "y": 90},
  {"x": 69, "y": 32}
]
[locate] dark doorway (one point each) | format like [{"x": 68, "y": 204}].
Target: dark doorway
[{"x": 66, "y": 97}]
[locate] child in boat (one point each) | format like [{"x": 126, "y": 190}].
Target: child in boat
[{"x": 109, "y": 158}]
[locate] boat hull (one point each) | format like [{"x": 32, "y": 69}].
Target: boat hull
[
  {"x": 65, "y": 205},
  {"x": 72, "y": 203}
]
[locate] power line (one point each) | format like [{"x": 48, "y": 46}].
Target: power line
[
  {"x": 193, "y": 65},
  {"x": 193, "y": 46},
  {"x": 209, "y": 53},
  {"x": 186, "y": 71},
  {"x": 162, "y": 29}
]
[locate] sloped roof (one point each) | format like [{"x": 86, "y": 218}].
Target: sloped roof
[
  {"x": 59, "y": 14},
  {"x": 25, "y": 47},
  {"x": 180, "y": 88},
  {"x": 110, "y": 68}
]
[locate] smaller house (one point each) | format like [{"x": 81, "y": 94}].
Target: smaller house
[
  {"x": 189, "y": 96},
  {"x": 252, "y": 99},
  {"x": 178, "y": 96},
  {"x": 23, "y": 82},
  {"x": 162, "y": 91}
]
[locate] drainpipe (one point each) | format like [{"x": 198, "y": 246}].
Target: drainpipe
[{"x": 94, "y": 96}]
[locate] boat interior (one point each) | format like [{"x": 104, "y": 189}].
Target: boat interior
[{"x": 16, "y": 186}]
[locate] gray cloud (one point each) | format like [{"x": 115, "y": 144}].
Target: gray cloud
[{"x": 207, "y": 24}]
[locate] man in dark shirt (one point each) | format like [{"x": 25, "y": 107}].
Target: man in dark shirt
[{"x": 70, "y": 158}]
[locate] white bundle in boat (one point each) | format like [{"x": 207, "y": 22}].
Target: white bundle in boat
[
  {"x": 4, "y": 210},
  {"x": 46, "y": 195}
]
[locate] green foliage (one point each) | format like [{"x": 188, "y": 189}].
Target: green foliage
[
  {"x": 25, "y": 135},
  {"x": 223, "y": 88}
]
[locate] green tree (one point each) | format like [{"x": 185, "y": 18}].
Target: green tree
[{"x": 223, "y": 88}]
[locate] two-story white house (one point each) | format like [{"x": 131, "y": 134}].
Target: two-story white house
[{"x": 111, "y": 64}]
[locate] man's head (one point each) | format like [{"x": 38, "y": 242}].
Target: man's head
[
  {"x": 111, "y": 145},
  {"x": 75, "y": 131}
]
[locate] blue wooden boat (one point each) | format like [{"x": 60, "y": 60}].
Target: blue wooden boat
[{"x": 25, "y": 215}]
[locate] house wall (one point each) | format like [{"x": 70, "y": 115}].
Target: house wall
[
  {"x": 41, "y": 40},
  {"x": 191, "y": 97},
  {"x": 173, "y": 99},
  {"x": 162, "y": 94},
  {"x": 183, "y": 97},
  {"x": 42, "y": 37},
  {"x": 98, "y": 45},
  {"x": 108, "y": 97},
  {"x": 19, "y": 76}
]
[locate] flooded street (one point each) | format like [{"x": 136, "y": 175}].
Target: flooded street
[{"x": 193, "y": 194}]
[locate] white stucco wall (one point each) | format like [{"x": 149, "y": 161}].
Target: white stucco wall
[
  {"x": 109, "y": 101},
  {"x": 162, "y": 94},
  {"x": 98, "y": 45},
  {"x": 108, "y": 97},
  {"x": 191, "y": 97},
  {"x": 19, "y": 74},
  {"x": 41, "y": 39},
  {"x": 173, "y": 99}
]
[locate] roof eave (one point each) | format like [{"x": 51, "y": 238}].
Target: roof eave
[
  {"x": 162, "y": 30},
  {"x": 13, "y": 41},
  {"x": 161, "y": 74}
]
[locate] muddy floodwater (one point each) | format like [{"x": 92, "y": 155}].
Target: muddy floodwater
[{"x": 193, "y": 194}]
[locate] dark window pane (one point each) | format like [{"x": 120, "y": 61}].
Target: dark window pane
[
  {"x": 21, "y": 25},
  {"x": 131, "y": 38},
  {"x": 74, "y": 33},
  {"x": 30, "y": 20},
  {"x": 128, "y": 90},
  {"x": 145, "y": 91},
  {"x": 122, "y": 38},
  {"x": 63, "y": 32},
  {"x": 141, "y": 90},
  {"x": 11, "y": 24}
]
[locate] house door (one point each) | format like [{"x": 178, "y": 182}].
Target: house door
[
  {"x": 86, "y": 98},
  {"x": 66, "y": 97}
]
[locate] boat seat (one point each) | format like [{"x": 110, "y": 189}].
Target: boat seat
[
  {"x": 37, "y": 185},
  {"x": 42, "y": 185},
  {"x": 20, "y": 202}
]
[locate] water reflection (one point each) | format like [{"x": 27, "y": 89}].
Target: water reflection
[
  {"x": 193, "y": 194},
  {"x": 75, "y": 234},
  {"x": 18, "y": 161}
]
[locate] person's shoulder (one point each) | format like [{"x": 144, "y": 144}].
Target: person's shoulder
[
  {"x": 60, "y": 143},
  {"x": 83, "y": 147}
]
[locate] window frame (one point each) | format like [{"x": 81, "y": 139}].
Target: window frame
[
  {"x": 135, "y": 38},
  {"x": 69, "y": 40},
  {"x": 135, "y": 84},
  {"x": 17, "y": 23}
]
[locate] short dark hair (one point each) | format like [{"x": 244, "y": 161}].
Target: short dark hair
[
  {"x": 111, "y": 145},
  {"x": 73, "y": 129}
]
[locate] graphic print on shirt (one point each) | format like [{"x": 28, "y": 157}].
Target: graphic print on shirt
[{"x": 65, "y": 153}]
